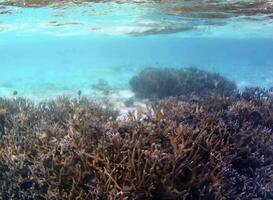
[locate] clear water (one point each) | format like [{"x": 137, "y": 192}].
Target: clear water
[{"x": 58, "y": 49}]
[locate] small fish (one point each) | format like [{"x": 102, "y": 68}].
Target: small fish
[
  {"x": 14, "y": 93},
  {"x": 79, "y": 94}
]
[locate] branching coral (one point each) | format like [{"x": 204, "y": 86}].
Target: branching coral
[
  {"x": 156, "y": 83},
  {"x": 200, "y": 148}
]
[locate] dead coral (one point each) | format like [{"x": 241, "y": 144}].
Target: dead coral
[
  {"x": 200, "y": 148},
  {"x": 157, "y": 83}
]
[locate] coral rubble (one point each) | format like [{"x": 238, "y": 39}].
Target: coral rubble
[
  {"x": 216, "y": 147},
  {"x": 157, "y": 83}
]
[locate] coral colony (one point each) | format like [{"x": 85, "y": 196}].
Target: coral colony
[
  {"x": 208, "y": 141},
  {"x": 154, "y": 83}
]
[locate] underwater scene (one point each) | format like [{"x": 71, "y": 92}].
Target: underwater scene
[{"x": 136, "y": 100}]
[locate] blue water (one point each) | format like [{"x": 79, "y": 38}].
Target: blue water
[{"x": 51, "y": 51}]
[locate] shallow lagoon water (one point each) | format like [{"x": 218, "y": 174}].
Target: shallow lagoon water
[
  {"x": 58, "y": 50},
  {"x": 45, "y": 66},
  {"x": 198, "y": 146}
]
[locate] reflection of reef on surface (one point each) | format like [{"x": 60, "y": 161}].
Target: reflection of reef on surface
[
  {"x": 156, "y": 83},
  {"x": 223, "y": 9},
  {"x": 195, "y": 8},
  {"x": 151, "y": 16},
  {"x": 56, "y": 23},
  {"x": 208, "y": 148},
  {"x": 42, "y": 3}
]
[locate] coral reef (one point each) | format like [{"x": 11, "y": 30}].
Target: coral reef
[
  {"x": 216, "y": 147},
  {"x": 157, "y": 83}
]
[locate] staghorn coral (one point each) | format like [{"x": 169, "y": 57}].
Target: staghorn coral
[
  {"x": 156, "y": 83},
  {"x": 32, "y": 133},
  {"x": 199, "y": 148}
]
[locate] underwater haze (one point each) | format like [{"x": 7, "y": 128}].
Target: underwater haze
[
  {"x": 136, "y": 99},
  {"x": 51, "y": 48}
]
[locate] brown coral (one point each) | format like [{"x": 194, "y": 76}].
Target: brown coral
[{"x": 208, "y": 148}]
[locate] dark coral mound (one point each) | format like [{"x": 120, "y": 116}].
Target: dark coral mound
[
  {"x": 158, "y": 83},
  {"x": 209, "y": 148}
]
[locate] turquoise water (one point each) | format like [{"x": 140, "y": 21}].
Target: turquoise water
[{"x": 57, "y": 50}]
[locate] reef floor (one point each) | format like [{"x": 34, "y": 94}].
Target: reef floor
[{"x": 212, "y": 147}]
